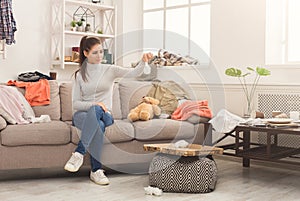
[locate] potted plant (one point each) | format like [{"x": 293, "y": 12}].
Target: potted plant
[
  {"x": 80, "y": 25},
  {"x": 73, "y": 25},
  {"x": 99, "y": 31},
  {"x": 248, "y": 89}
]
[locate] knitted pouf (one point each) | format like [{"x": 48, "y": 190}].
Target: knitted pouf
[{"x": 183, "y": 175}]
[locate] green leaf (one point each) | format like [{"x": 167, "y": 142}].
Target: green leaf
[
  {"x": 262, "y": 71},
  {"x": 251, "y": 69},
  {"x": 234, "y": 72}
]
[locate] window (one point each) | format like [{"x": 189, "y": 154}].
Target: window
[
  {"x": 282, "y": 32},
  {"x": 180, "y": 26}
]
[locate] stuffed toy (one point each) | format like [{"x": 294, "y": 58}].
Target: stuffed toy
[{"x": 145, "y": 110}]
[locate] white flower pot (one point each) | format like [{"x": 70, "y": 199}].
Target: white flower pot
[{"x": 80, "y": 29}]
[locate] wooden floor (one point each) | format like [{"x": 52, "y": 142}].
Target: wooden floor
[{"x": 262, "y": 181}]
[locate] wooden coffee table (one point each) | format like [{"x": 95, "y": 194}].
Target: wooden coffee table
[
  {"x": 191, "y": 150},
  {"x": 270, "y": 151}
]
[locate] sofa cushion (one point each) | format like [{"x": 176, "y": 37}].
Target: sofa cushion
[
  {"x": 120, "y": 131},
  {"x": 131, "y": 93},
  {"x": 51, "y": 133},
  {"x": 163, "y": 129},
  {"x": 3, "y": 123},
  {"x": 65, "y": 94},
  {"x": 53, "y": 109}
]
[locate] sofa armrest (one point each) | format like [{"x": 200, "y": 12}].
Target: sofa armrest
[
  {"x": 3, "y": 123},
  {"x": 65, "y": 93},
  {"x": 203, "y": 133}
]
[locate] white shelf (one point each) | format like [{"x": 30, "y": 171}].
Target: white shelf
[
  {"x": 71, "y": 63},
  {"x": 92, "y": 5},
  {"x": 63, "y": 38},
  {"x": 58, "y": 63},
  {"x": 88, "y": 34}
]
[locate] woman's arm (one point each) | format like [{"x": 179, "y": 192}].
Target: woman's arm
[
  {"x": 132, "y": 72},
  {"x": 78, "y": 104}
]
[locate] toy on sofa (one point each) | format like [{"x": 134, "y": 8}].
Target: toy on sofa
[{"x": 145, "y": 110}]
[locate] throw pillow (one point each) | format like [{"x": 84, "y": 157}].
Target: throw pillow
[
  {"x": 131, "y": 93},
  {"x": 28, "y": 111},
  {"x": 6, "y": 116},
  {"x": 3, "y": 123}
]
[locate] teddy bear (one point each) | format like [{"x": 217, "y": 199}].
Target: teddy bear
[{"x": 146, "y": 110}]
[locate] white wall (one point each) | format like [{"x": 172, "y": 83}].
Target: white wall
[
  {"x": 32, "y": 49},
  {"x": 237, "y": 38}
]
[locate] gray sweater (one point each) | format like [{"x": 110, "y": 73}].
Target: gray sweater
[{"x": 99, "y": 85}]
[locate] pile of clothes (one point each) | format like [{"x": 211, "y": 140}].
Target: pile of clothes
[{"x": 166, "y": 58}]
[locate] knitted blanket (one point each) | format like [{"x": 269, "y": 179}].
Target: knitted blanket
[{"x": 188, "y": 108}]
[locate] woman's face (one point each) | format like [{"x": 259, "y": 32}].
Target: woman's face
[{"x": 95, "y": 54}]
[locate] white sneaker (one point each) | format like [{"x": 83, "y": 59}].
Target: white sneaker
[
  {"x": 99, "y": 177},
  {"x": 74, "y": 163}
]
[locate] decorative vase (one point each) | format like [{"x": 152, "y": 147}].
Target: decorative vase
[
  {"x": 87, "y": 28},
  {"x": 105, "y": 52},
  {"x": 249, "y": 111}
]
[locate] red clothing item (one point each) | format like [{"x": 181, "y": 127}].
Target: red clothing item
[
  {"x": 188, "y": 108},
  {"x": 36, "y": 93}
]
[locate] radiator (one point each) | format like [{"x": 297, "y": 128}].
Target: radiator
[
  {"x": 285, "y": 102},
  {"x": 268, "y": 102}
]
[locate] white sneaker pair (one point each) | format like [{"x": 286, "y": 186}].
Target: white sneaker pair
[
  {"x": 76, "y": 161},
  {"x": 99, "y": 177}
]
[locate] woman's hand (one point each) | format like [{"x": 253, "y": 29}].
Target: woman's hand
[
  {"x": 103, "y": 106},
  {"x": 147, "y": 57}
]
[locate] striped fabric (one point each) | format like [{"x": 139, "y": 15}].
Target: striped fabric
[{"x": 7, "y": 22}]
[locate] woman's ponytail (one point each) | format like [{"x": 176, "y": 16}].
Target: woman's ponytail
[
  {"x": 86, "y": 44},
  {"x": 83, "y": 47}
]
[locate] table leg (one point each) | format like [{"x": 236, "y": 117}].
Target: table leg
[
  {"x": 268, "y": 145},
  {"x": 246, "y": 145},
  {"x": 207, "y": 134},
  {"x": 276, "y": 139},
  {"x": 237, "y": 142}
]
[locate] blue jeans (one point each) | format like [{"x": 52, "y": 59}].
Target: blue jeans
[{"x": 92, "y": 124}]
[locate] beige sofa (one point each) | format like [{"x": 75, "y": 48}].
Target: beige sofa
[{"x": 47, "y": 145}]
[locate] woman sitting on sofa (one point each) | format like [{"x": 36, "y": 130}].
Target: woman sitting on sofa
[{"x": 92, "y": 100}]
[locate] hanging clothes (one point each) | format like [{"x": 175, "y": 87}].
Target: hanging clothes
[{"x": 7, "y": 22}]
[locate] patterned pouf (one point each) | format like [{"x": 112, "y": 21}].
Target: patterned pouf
[{"x": 183, "y": 174}]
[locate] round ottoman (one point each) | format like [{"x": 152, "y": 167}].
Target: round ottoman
[{"x": 189, "y": 174}]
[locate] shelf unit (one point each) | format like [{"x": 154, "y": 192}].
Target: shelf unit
[{"x": 63, "y": 38}]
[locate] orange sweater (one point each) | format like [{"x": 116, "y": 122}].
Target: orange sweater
[
  {"x": 36, "y": 93},
  {"x": 188, "y": 108}
]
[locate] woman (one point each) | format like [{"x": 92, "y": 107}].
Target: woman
[{"x": 92, "y": 100}]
